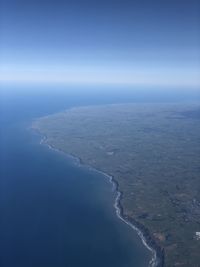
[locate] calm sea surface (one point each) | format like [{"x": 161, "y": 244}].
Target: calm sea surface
[{"x": 54, "y": 213}]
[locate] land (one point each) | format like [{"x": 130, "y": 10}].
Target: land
[{"x": 153, "y": 153}]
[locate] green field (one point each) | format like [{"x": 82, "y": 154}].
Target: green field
[{"x": 153, "y": 152}]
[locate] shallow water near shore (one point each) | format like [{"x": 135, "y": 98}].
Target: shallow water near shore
[{"x": 55, "y": 212}]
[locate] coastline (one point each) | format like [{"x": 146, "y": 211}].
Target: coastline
[{"x": 157, "y": 259}]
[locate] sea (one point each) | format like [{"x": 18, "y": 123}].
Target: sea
[{"x": 53, "y": 211}]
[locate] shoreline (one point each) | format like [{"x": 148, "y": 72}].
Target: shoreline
[{"x": 157, "y": 259}]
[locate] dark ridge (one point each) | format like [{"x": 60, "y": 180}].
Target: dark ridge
[{"x": 160, "y": 253}]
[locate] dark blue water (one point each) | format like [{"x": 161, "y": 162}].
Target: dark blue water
[{"x": 54, "y": 213}]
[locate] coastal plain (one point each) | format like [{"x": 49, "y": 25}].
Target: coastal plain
[{"x": 153, "y": 153}]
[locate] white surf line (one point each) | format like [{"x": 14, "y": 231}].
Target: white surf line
[{"x": 153, "y": 262}]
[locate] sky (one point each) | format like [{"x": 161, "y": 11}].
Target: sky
[{"x": 139, "y": 42}]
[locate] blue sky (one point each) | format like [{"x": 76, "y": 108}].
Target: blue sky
[{"x": 100, "y": 42}]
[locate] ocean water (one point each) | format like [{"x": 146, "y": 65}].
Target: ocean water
[{"x": 53, "y": 212}]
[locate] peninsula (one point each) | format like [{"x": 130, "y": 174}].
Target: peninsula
[{"x": 152, "y": 151}]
